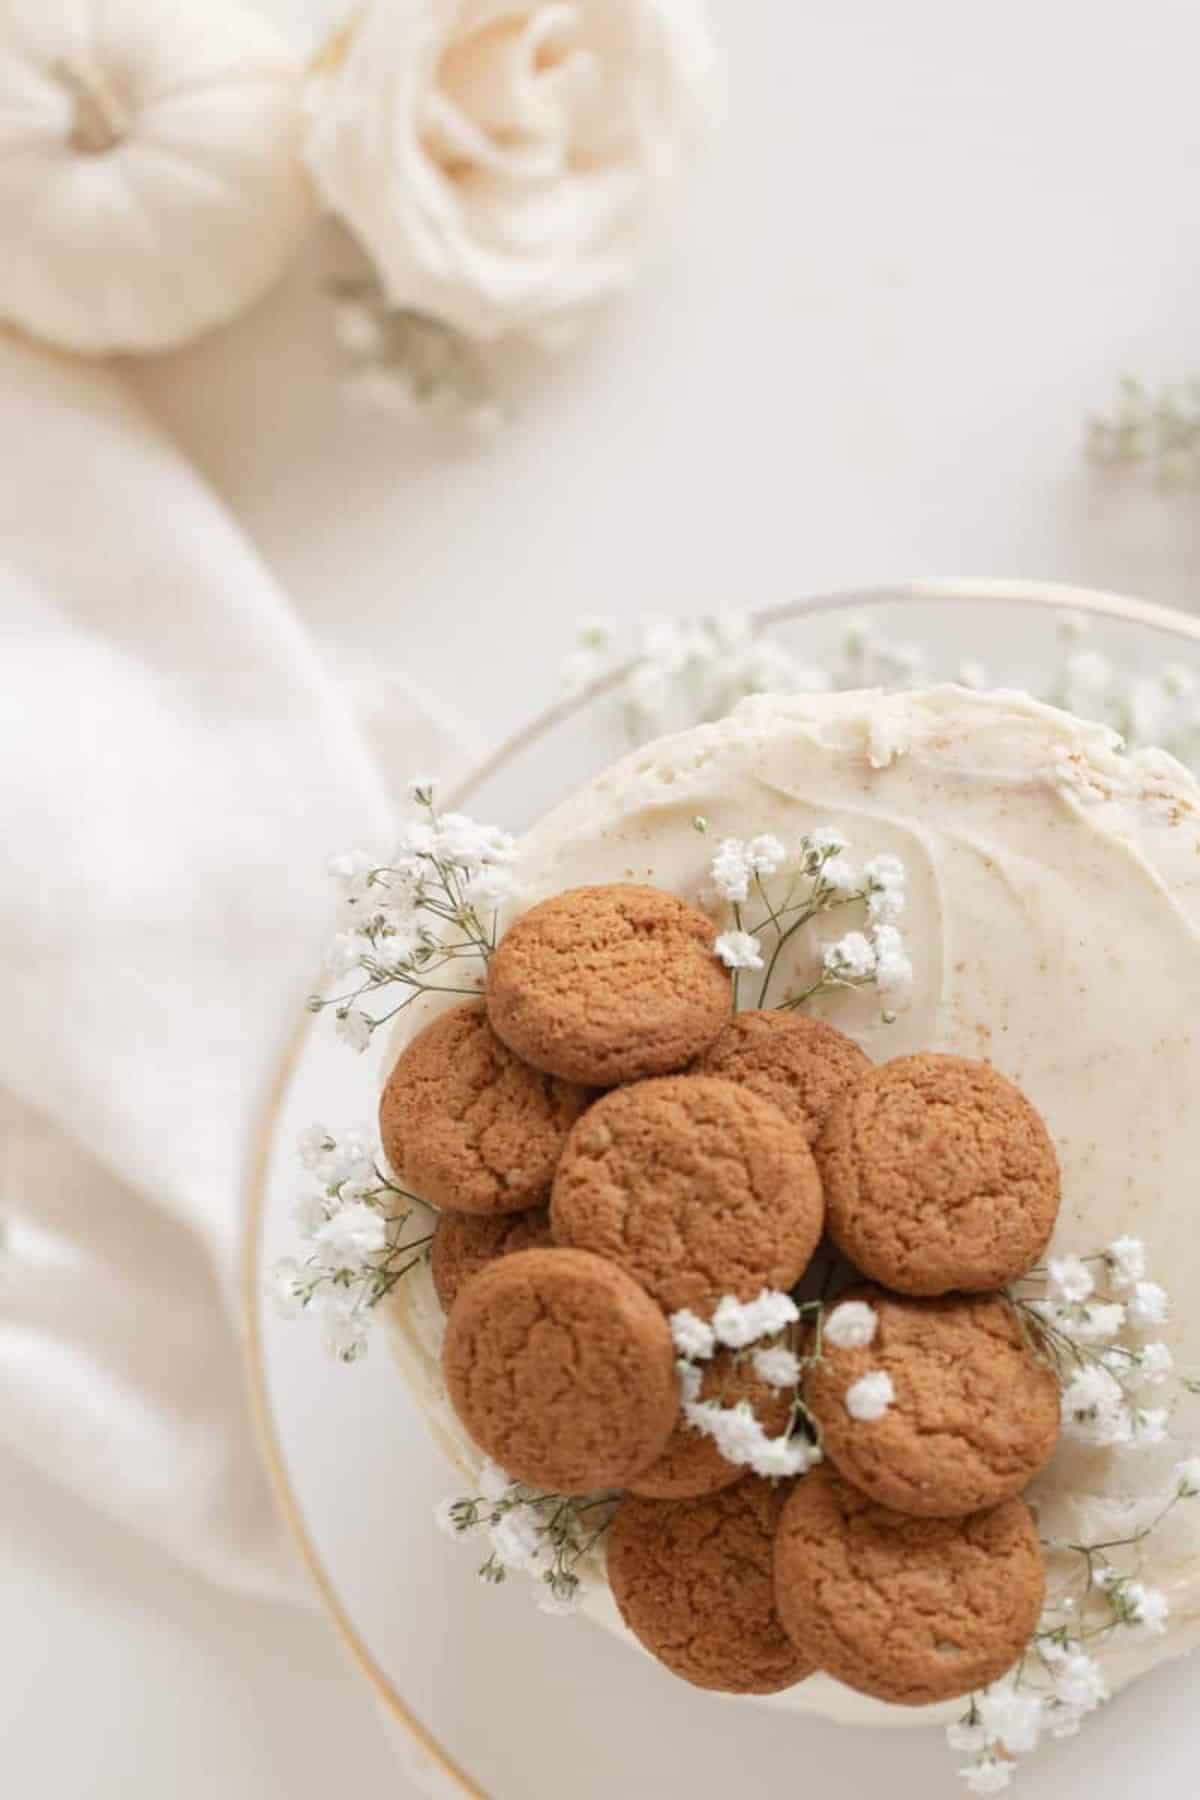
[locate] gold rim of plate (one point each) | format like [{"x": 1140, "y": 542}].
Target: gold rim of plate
[{"x": 1054, "y": 597}]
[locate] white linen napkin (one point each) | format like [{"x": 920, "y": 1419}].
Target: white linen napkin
[{"x": 175, "y": 767}]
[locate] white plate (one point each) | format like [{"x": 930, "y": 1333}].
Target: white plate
[{"x": 493, "y": 1697}]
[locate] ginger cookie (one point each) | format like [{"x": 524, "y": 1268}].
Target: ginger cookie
[
  {"x": 938, "y": 1175},
  {"x": 973, "y": 1418},
  {"x": 467, "y": 1125},
  {"x": 801, "y": 1064},
  {"x": 691, "y": 1465},
  {"x": 562, "y": 1369},
  {"x": 907, "y": 1610},
  {"x": 693, "y": 1582},
  {"x": 464, "y": 1243},
  {"x": 609, "y": 984},
  {"x": 695, "y": 1186}
]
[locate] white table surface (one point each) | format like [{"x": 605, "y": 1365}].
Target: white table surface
[{"x": 927, "y": 242}]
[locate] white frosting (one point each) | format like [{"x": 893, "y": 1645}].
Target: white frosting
[{"x": 1054, "y": 926}]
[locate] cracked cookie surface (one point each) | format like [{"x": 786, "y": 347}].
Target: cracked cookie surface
[
  {"x": 470, "y": 1127},
  {"x": 464, "y": 1243},
  {"x": 695, "y": 1186},
  {"x": 798, "y": 1063},
  {"x": 907, "y": 1610},
  {"x": 693, "y": 1582},
  {"x": 938, "y": 1175},
  {"x": 603, "y": 985},
  {"x": 562, "y": 1369},
  {"x": 975, "y": 1415},
  {"x": 691, "y": 1465}
]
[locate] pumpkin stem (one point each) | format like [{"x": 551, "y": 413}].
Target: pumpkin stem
[{"x": 102, "y": 118}]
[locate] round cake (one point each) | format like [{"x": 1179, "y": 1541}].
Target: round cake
[{"x": 1053, "y": 926}]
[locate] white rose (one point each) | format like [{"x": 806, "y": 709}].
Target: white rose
[{"x": 500, "y": 160}]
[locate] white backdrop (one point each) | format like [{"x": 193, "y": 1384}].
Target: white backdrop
[{"x": 926, "y": 243}]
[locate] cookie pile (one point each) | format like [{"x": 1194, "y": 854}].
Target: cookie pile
[{"x": 610, "y": 1145}]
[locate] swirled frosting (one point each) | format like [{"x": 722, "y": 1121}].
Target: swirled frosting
[{"x": 1054, "y": 927}]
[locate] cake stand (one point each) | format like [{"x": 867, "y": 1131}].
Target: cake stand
[{"x": 488, "y": 1697}]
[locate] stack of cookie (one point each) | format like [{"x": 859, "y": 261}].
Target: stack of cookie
[{"x": 687, "y": 1154}]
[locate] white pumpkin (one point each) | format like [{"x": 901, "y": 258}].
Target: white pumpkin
[{"x": 150, "y": 184}]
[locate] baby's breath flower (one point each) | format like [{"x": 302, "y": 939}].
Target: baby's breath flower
[
  {"x": 1096, "y": 1323},
  {"x": 351, "y": 1235},
  {"x": 852, "y": 958},
  {"x": 824, "y": 842},
  {"x": 1151, "y": 1366},
  {"x": 777, "y": 1366},
  {"x": 739, "y": 1323},
  {"x": 1012, "y": 1718},
  {"x": 353, "y": 1027},
  {"x": 893, "y": 970},
  {"x": 1148, "y": 1607},
  {"x": 693, "y": 1338},
  {"x": 1077, "y": 1678},
  {"x": 1126, "y": 1260},
  {"x": 1069, "y": 1279},
  {"x": 731, "y": 871},
  {"x": 691, "y": 1381},
  {"x": 885, "y": 889},
  {"x": 561, "y": 1599},
  {"x": 735, "y": 1430},
  {"x": 739, "y": 950},
  {"x": 779, "y": 1458},
  {"x": 740, "y": 1438},
  {"x": 1093, "y": 1408},
  {"x": 516, "y": 1541},
  {"x": 446, "y": 1517},
  {"x": 967, "y": 1735},
  {"x": 313, "y": 1143},
  {"x": 989, "y": 1775},
  {"x": 852, "y": 1325},
  {"x": 1147, "y": 1305},
  {"x": 764, "y": 855},
  {"x": 351, "y": 868},
  {"x": 286, "y": 1288},
  {"x": 1148, "y": 1424},
  {"x": 840, "y": 874},
  {"x": 309, "y": 1213},
  {"x": 488, "y": 890},
  {"x": 871, "y": 1396},
  {"x": 1187, "y": 1475},
  {"x": 344, "y": 1328},
  {"x": 346, "y": 951}
]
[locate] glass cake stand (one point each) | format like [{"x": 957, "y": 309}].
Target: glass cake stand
[{"x": 485, "y": 1695}]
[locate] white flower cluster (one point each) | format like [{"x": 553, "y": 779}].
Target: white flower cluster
[
  {"x": 871, "y": 1396},
  {"x": 1059, "y": 1682},
  {"x": 1010, "y": 1718},
  {"x": 852, "y": 1326},
  {"x": 821, "y": 879},
  {"x": 736, "y": 1431},
  {"x": 545, "y": 1536},
  {"x": 1160, "y": 431},
  {"x": 878, "y": 954},
  {"x": 1088, "y": 1304},
  {"x": 412, "y": 922},
  {"x": 351, "y": 1218},
  {"x": 687, "y": 671}
]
